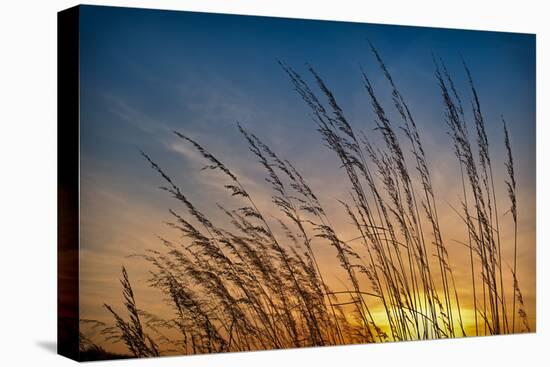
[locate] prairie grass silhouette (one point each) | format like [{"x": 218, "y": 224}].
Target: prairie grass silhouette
[{"x": 257, "y": 284}]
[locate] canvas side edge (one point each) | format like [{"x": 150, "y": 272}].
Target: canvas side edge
[{"x": 68, "y": 183}]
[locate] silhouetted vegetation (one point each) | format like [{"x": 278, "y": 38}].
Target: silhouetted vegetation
[{"x": 257, "y": 284}]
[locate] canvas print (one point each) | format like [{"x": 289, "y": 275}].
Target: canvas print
[{"x": 237, "y": 183}]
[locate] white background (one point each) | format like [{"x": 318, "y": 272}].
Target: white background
[{"x": 28, "y": 181}]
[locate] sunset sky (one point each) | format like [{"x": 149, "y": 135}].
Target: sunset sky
[{"x": 147, "y": 73}]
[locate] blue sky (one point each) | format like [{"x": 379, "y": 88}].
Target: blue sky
[{"x": 203, "y": 72}]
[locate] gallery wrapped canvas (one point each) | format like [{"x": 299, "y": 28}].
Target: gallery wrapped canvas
[{"x": 236, "y": 183}]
